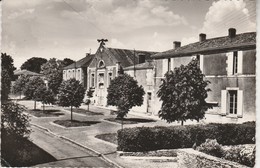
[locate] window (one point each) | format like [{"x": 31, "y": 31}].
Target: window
[
  {"x": 101, "y": 78},
  {"x": 232, "y": 102},
  {"x": 109, "y": 78},
  {"x": 234, "y": 62},
  {"x": 141, "y": 59},
  {"x": 149, "y": 96},
  {"x": 232, "y": 97},
  {"x": 101, "y": 64},
  {"x": 92, "y": 80},
  {"x": 169, "y": 64},
  {"x": 78, "y": 74}
]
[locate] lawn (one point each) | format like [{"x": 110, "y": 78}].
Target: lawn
[
  {"x": 45, "y": 113},
  {"x": 84, "y": 111},
  {"x": 130, "y": 120},
  {"x": 75, "y": 123},
  {"x": 110, "y": 137}
]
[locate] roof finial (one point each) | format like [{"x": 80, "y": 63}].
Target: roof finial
[{"x": 102, "y": 41}]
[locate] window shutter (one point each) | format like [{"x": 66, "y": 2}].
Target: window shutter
[
  {"x": 164, "y": 66},
  {"x": 223, "y": 102},
  {"x": 201, "y": 63},
  {"x": 172, "y": 68},
  {"x": 230, "y": 63},
  {"x": 240, "y": 103},
  {"x": 240, "y": 62}
]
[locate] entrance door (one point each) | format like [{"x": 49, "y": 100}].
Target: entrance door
[
  {"x": 149, "y": 102},
  {"x": 101, "y": 94}
]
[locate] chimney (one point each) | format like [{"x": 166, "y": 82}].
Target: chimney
[
  {"x": 87, "y": 54},
  {"x": 202, "y": 37},
  {"x": 176, "y": 44},
  {"x": 231, "y": 32}
]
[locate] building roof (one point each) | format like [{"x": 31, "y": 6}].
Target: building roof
[
  {"x": 127, "y": 57},
  {"x": 145, "y": 65},
  {"x": 84, "y": 62},
  {"x": 214, "y": 45},
  {"x": 26, "y": 72}
]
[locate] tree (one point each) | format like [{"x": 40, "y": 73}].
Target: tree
[
  {"x": 15, "y": 131},
  {"x": 66, "y": 62},
  {"x": 53, "y": 73},
  {"x": 20, "y": 84},
  {"x": 44, "y": 95},
  {"x": 32, "y": 86},
  {"x": 89, "y": 94},
  {"x": 124, "y": 93},
  {"x": 14, "y": 122},
  {"x": 183, "y": 94},
  {"x": 71, "y": 94},
  {"x": 34, "y": 64},
  {"x": 7, "y": 75}
]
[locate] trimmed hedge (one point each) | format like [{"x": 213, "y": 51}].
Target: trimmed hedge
[{"x": 154, "y": 138}]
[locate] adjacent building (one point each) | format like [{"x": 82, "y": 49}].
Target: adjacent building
[
  {"x": 228, "y": 63},
  {"x": 78, "y": 70}
]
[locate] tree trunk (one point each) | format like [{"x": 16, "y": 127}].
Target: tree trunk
[
  {"x": 20, "y": 95},
  {"x": 182, "y": 122},
  {"x": 34, "y": 105},
  {"x": 43, "y": 107},
  {"x": 88, "y": 107},
  {"x": 71, "y": 113},
  {"x": 122, "y": 122}
]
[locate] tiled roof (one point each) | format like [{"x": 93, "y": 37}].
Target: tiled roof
[
  {"x": 213, "y": 45},
  {"x": 26, "y": 72},
  {"x": 127, "y": 57},
  {"x": 84, "y": 62},
  {"x": 146, "y": 65}
]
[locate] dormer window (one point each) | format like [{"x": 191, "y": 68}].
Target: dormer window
[{"x": 101, "y": 64}]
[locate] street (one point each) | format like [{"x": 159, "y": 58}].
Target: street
[{"x": 65, "y": 152}]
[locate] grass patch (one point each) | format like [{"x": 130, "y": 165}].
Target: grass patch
[
  {"x": 110, "y": 137},
  {"x": 84, "y": 111},
  {"x": 45, "y": 113},
  {"x": 158, "y": 153},
  {"x": 130, "y": 120},
  {"x": 75, "y": 123},
  {"x": 25, "y": 154}
]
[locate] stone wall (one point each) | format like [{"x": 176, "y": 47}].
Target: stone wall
[{"x": 189, "y": 158}]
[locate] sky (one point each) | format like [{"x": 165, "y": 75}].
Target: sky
[{"x": 70, "y": 28}]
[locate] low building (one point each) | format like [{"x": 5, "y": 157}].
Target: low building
[
  {"x": 78, "y": 70},
  {"x": 228, "y": 63}
]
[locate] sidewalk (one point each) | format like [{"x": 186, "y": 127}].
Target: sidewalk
[{"x": 86, "y": 135}]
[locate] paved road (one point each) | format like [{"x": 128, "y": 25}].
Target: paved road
[{"x": 67, "y": 154}]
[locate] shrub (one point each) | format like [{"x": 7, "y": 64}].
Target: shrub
[
  {"x": 241, "y": 154},
  {"x": 211, "y": 147},
  {"x": 154, "y": 138}
]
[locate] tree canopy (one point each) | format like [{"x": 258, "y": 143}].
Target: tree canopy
[
  {"x": 67, "y": 61},
  {"x": 20, "y": 83},
  {"x": 71, "y": 94},
  {"x": 44, "y": 95},
  {"x": 183, "y": 94},
  {"x": 124, "y": 93},
  {"x": 34, "y": 64},
  {"x": 52, "y": 70},
  {"x": 7, "y": 75},
  {"x": 32, "y": 85}
]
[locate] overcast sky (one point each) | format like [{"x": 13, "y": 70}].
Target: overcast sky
[{"x": 70, "y": 28}]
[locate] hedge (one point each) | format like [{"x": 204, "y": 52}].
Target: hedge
[{"x": 173, "y": 137}]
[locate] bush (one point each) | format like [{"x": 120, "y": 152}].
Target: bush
[
  {"x": 241, "y": 154},
  {"x": 211, "y": 147},
  {"x": 154, "y": 138}
]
